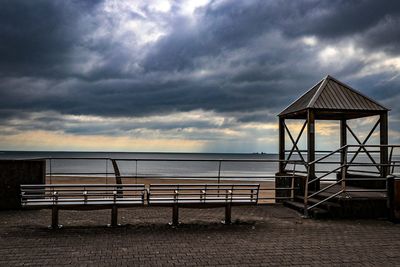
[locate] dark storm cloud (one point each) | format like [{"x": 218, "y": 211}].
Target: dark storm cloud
[
  {"x": 37, "y": 36},
  {"x": 339, "y": 18},
  {"x": 237, "y": 57},
  {"x": 374, "y": 24},
  {"x": 236, "y": 24}
]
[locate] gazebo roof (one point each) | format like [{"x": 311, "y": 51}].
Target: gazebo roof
[{"x": 333, "y": 100}]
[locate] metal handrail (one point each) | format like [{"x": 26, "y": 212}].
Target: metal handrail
[
  {"x": 219, "y": 174},
  {"x": 324, "y": 189},
  {"x": 167, "y": 159},
  {"x": 328, "y": 155},
  {"x": 343, "y": 169},
  {"x": 324, "y": 200},
  {"x": 323, "y": 176}
]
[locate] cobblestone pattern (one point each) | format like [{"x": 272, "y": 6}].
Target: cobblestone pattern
[{"x": 261, "y": 236}]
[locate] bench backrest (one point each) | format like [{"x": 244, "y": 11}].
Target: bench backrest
[
  {"x": 203, "y": 193},
  {"x": 86, "y": 193}
]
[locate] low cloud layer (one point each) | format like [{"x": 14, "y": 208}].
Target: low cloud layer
[{"x": 212, "y": 72}]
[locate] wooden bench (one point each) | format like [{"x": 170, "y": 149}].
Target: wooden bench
[
  {"x": 82, "y": 196},
  {"x": 202, "y": 196}
]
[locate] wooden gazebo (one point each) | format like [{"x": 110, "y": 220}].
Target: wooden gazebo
[{"x": 331, "y": 99}]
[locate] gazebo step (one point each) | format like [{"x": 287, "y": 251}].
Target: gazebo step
[
  {"x": 342, "y": 207},
  {"x": 328, "y": 205},
  {"x": 316, "y": 213}
]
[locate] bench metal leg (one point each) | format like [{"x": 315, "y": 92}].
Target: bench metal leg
[
  {"x": 228, "y": 213},
  {"x": 54, "y": 218},
  {"x": 114, "y": 216},
  {"x": 175, "y": 215}
]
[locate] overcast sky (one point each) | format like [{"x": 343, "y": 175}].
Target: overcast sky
[{"x": 194, "y": 76}]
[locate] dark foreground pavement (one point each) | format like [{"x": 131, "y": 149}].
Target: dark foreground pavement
[{"x": 261, "y": 236}]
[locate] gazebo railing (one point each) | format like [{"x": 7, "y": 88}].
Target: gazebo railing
[{"x": 336, "y": 186}]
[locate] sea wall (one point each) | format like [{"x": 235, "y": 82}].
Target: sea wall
[
  {"x": 13, "y": 173},
  {"x": 396, "y": 200}
]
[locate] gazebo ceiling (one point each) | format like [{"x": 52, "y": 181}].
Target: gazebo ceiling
[{"x": 333, "y": 100}]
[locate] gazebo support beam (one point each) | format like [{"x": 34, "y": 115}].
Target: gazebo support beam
[
  {"x": 383, "y": 131},
  {"x": 363, "y": 143},
  {"x": 281, "y": 145},
  {"x": 294, "y": 142},
  {"x": 343, "y": 141},
  {"x": 311, "y": 148}
]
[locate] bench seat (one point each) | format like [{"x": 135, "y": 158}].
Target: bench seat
[
  {"x": 82, "y": 196},
  {"x": 202, "y": 196}
]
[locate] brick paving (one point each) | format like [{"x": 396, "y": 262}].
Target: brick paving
[{"x": 262, "y": 236}]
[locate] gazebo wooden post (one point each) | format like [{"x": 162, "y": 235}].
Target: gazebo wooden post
[
  {"x": 281, "y": 145},
  {"x": 343, "y": 142},
  {"x": 311, "y": 147},
  {"x": 384, "y": 141}
]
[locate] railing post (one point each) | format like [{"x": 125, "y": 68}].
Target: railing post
[
  {"x": 219, "y": 171},
  {"x": 136, "y": 167},
  {"x": 306, "y": 192},
  {"x": 50, "y": 171},
  {"x": 106, "y": 171},
  {"x": 293, "y": 182},
  {"x": 390, "y": 168},
  {"x": 344, "y": 169}
]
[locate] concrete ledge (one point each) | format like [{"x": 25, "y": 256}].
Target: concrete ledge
[{"x": 14, "y": 173}]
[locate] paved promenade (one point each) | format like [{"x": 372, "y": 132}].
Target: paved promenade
[{"x": 262, "y": 236}]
